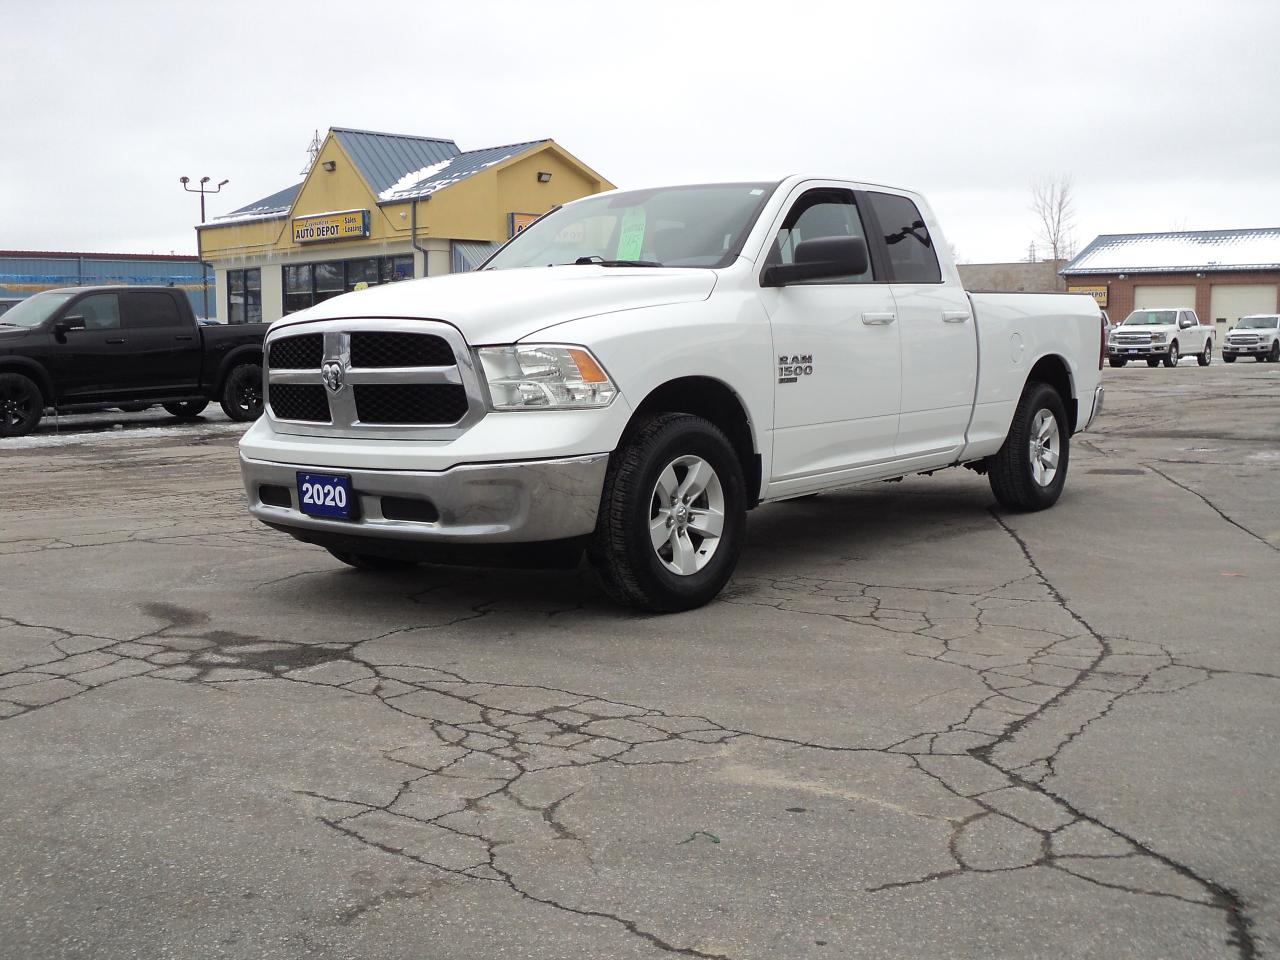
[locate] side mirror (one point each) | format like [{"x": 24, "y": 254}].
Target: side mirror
[
  {"x": 72, "y": 322},
  {"x": 820, "y": 259}
]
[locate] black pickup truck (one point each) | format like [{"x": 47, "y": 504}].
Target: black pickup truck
[{"x": 81, "y": 348}]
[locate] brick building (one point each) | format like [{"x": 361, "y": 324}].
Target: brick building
[{"x": 1222, "y": 274}]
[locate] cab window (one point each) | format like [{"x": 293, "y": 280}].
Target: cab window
[
  {"x": 101, "y": 311},
  {"x": 911, "y": 254}
]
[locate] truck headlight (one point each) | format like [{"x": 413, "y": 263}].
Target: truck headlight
[
  {"x": 1157, "y": 338},
  {"x": 545, "y": 377}
]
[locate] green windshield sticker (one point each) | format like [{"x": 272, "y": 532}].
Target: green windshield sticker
[{"x": 631, "y": 237}]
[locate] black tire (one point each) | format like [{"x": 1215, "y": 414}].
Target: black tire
[
  {"x": 370, "y": 563},
  {"x": 1274, "y": 355},
  {"x": 1118, "y": 361},
  {"x": 1228, "y": 358},
  {"x": 186, "y": 409},
  {"x": 1205, "y": 356},
  {"x": 242, "y": 392},
  {"x": 622, "y": 551},
  {"x": 1259, "y": 358},
  {"x": 21, "y": 405},
  {"x": 1171, "y": 358},
  {"x": 1153, "y": 361},
  {"x": 1010, "y": 471}
]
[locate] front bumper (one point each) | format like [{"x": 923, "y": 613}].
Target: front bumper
[
  {"x": 489, "y": 503},
  {"x": 1230, "y": 347},
  {"x": 1137, "y": 349}
]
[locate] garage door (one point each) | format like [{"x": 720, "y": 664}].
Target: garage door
[
  {"x": 1228, "y": 302},
  {"x": 1146, "y": 297}
]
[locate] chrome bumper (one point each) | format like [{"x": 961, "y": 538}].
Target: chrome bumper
[
  {"x": 523, "y": 502},
  {"x": 1099, "y": 396}
]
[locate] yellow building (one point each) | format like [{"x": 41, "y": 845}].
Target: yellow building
[{"x": 380, "y": 207}]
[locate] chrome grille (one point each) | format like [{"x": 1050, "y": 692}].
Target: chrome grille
[
  {"x": 297, "y": 353},
  {"x": 1133, "y": 338},
  {"x": 300, "y": 401},
  {"x": 373, "y": 378},
  {"x": 1243, "y": 338},
  {"x": 399, "y": 350}
]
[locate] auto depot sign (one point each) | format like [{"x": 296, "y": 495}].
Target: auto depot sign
[{"x": 343, "y": 225}]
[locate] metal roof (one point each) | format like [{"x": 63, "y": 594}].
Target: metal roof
[
  {"x": 1180, "y": 251},
  {"x": 383, "y": 158},
  {"x": 427, "y": 179},
  {"x": 276, "y": 205},
  {"x": 70, "y": 255},
  {"x": 469, "y": 254}
]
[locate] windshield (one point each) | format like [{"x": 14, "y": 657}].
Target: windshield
[
  {"x": 1258, "y": 323},
  {"x": 34, "y": 311},
  {"x": 1151, "y": 318},
  {"x": 694, "y": 226}
]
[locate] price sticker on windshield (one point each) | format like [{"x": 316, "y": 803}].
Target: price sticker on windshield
[{"x": 631, "y": 236}]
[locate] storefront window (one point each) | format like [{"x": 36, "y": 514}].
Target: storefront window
[
  {"x": 311, "y": 283},
  {"x": 244, "y": 296}
]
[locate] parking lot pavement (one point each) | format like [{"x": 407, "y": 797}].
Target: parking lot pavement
[{"x": 912, "y": 727}]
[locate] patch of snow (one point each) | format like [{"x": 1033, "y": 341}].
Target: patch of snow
[
  {"x": 411, "y": 180},
  {"x": 117, "y": 434}
]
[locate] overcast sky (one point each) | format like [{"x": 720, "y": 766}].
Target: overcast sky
[{"x": 1166, "y": 114}]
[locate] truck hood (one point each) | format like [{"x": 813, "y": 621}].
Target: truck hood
[
  {"x": 503, "y": 306},
  {"x": 1147, "y": 328},
  {"x": 14, "y": 333}
]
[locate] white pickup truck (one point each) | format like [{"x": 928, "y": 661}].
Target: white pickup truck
[
  {"x": 1158, "y": 336},
  {"x": 1257, "y": 336},
  {"x": 632, "y": 373}
]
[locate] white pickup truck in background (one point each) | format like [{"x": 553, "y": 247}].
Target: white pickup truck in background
[
  {"x": 1164, "y": 335},
  {"x": 1257, "y": 336},
  {"x": 632, "y": 373}
]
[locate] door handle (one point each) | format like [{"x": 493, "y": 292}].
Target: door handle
[
  {"x": 184, "y": 337},
  {"x": 955, "y": 316},
  {"x": 878, "y": 319},
  {"x": 115, "y": 339}
]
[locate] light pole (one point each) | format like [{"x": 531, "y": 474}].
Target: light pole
[{"x": 202, "y": 189}]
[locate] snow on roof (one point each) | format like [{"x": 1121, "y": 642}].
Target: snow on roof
[
  {"x": 1180, "y": 251},
  {"x": 276, "y": 205},
  {"x": 437, "y": 176}
]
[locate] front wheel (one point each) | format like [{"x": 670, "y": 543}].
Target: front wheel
[
  {"x": 1205, "y": 357},
  {"x": 1171, "y": 358},
  {"x": 242, "y": 393},
  {"x": 1274, "y": 355},
  {"x": 186, "y": 409},
  {"x": 1118, "y": 361},
  {"x": 1030, "y": 469},
  {"x": 1153, "y": 361},
  {"x": 1228, "y": 358},
  {"x": 672, "y": 515},
  {"x": 21, "y": 405}
]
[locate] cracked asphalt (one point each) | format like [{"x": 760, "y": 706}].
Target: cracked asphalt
[{"x": 913, "y": 726}]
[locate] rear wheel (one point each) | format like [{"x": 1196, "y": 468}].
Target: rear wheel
[
  {"x": 21, "y": 405},
  {"x": 242, "y": 393},
  {"x": 672, "y": 515},
  {"x": 1118, "y": 361},
  {"x": 1205, "y": 357},
  {"x": 1171, "y": 358},
  {"x": 1030, "y": 469},
  {"x": 186, "y": 409},
  {"x": 369, "y": 562}
]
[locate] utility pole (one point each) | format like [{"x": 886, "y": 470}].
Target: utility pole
[{"x": 202, "y": 189}]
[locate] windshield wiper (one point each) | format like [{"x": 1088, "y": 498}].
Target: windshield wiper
[{"x": 601, "y": 262}]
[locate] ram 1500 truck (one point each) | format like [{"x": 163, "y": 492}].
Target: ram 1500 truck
[
  {"x": 1257, "y": 336},
  {"x": 634, "y": 371},
  {"x": 1161, "y": 336},
  {"x": 85, "y": 348}
]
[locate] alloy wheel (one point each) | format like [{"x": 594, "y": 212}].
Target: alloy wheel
[
  {"x": 686, "y": 515},
  {"x": 1045, "y": 447}
]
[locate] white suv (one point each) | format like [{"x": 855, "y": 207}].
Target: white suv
[
  {"x": 1257, "y": 336},
  {"x": 1165, "y": 334}
]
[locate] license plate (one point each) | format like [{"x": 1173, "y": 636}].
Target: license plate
[
  {"x": 325, "y": 495},
  {"x": 1133, "y": 351}
]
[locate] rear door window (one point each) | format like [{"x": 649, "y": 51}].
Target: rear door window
[
  {"x": 911, "y": 254},
  {"x": 101, "y": 311},
  {"x": 149, "y": 310}
]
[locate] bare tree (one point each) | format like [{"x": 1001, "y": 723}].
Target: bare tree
[{"x": 1052, "y": 201}]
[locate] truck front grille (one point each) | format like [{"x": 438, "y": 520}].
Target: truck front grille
[
  {"x": 373, "y": 378},
  {"x": 420, "y": 403},
  {"x": 297, "y": 353},
  {"x": 372, "y": 350},
  {"x": 299, "y": 401}
]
